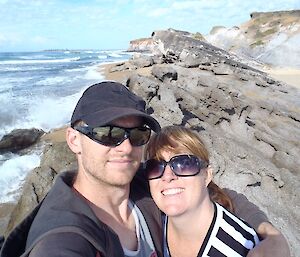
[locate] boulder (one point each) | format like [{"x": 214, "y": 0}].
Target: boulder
[
  {"x": 19, "y": 139},
  {"x": 164, "y": 73},
  {"x": 141, "y": 62}
]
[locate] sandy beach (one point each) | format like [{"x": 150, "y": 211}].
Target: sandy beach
[{"x": 290, "y": 76}]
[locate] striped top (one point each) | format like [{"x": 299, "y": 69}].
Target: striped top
[{"x": 227, "y": 236}]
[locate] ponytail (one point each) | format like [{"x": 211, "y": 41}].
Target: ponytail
[{"x": 218, "y": 195}]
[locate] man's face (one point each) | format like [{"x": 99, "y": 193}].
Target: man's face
[{"x": 114, "y": 166}]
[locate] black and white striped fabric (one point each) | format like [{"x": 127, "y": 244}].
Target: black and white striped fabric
[{"x": 227, "y": 236}]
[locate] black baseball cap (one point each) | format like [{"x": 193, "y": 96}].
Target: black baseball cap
[{"x": 104, "y": 102}]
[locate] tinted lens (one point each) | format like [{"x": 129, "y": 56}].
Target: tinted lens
[
  {"x": 109, "y": 136},
  {"x": 185, "y": 165},
  {"x": 154, "y": 168},
  {"x": 113, "y": 136},
  {"x": 139, "y": 136},
  {"x": 181, "y": 165}
]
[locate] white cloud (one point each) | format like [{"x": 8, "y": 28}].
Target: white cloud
[
  {"x": 2, "y": 40},
  {"x": 196, "y": 5},
  {"x": 40, "y": 40},
  {"x": 185, "y": 5},
  {"x": 159, "y": 12},
  {"x": 11, "y": 40}
]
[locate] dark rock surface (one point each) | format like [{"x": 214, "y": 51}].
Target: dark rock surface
[
  {"x": 19, "y": 139},
  {"x": 250, "y": 123}
]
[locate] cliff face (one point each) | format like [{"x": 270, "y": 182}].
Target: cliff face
[
  {"x": 271, "y": 14},
  {"x": 271, "y": 37},
  {"x": 147, "y": 44},
  {"x": 141, "y": 45}
]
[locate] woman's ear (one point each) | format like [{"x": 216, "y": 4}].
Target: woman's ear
[
  {"x": 73, "y": 140},
  {"x": 209, "y": 175}
]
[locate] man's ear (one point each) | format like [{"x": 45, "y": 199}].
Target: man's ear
[
  {"x": 209, "y": 175},
  {"x": 73, "y": 140}
]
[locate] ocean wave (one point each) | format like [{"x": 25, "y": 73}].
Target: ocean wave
[
  {"x": 43, "y": 113},
  {"x": 115, "y": 55},
  {"x": 33, "y": 57},
  {"x": 102, "y": 57},
  {"x": 40, "y": 61},
  {"x": 54, "y": 80},
  {"x": 93, "y": 74},
  {"x": 13, "y": 170}
]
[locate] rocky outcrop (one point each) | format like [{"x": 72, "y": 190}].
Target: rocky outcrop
[
  {"x": 190, "y": 52},
  {"x": 147, "y": 44},
  {"x": 141, "y": 45},
  {"x": 19, "y": 139},
  {"x": 250, "y": 123},
  {"x": 268, "y": 37},
  {"x": 255, "y": 15}
]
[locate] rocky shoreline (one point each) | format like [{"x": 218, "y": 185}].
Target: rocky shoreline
[{"x": 249, "y": 121}]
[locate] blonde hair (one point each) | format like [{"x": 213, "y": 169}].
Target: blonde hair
[{"x": 179, "y": 139}]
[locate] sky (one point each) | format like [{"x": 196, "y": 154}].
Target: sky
[{"x": 34, "y": 25}]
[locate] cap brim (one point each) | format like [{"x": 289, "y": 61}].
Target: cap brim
[{"x": 106, "y": 116}]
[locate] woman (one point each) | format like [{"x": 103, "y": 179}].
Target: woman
[{"x": 180, "y": 180}]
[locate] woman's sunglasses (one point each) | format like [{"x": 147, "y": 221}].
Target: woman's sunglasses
[
  {"x": 114, "y": 135},
  {"x": 182, "y": 166}
]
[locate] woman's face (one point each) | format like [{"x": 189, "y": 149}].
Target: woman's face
[{"x": 177, "y": 195}]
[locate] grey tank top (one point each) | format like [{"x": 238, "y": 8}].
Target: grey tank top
[{"x": 145, "y": 243}]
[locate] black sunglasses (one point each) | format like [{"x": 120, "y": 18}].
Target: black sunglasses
[
  {"x": 114, "y": 135},
  {"x": 182, "y": 166}
]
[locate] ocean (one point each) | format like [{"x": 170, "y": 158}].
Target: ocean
[{"x": 40, "y": 90}]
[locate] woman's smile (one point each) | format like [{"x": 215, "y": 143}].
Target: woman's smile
[{"x": 172, "y": 191}]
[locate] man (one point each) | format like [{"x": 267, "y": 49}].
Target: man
[{"x": 103, "y": 209}]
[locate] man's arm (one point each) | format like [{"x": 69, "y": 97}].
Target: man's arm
[
  {"x": 274, "y": 243},
  {"x": 63, "y": 244},
  {"x": 246, "y": 210}
]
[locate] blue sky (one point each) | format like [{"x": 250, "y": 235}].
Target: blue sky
[{"x": 32, "y": 25}]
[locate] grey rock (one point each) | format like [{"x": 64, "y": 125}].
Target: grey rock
[
  {"x": 222, "y": 69},
  {"x": 141, "y": 62},
  {"x": 287, "y": 161},
  {"x": 164, "y": 73},
  {"x": 144, "y": 87},
  {"x": 122, "y": 67},
  {"x": 19, "y": 139}
]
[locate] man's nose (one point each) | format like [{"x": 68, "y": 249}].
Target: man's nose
[{"x": 125, "y": 146}]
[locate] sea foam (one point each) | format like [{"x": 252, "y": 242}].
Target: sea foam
[{"x": 12, "y": 174}]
